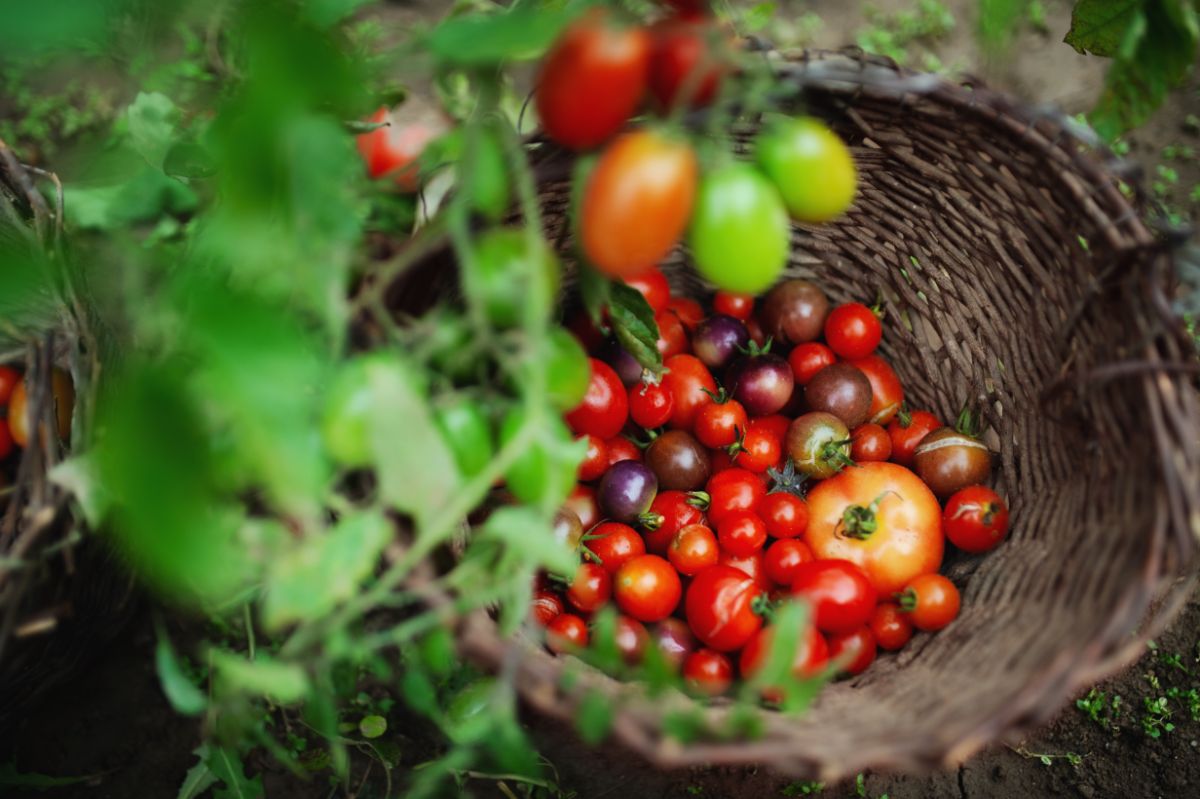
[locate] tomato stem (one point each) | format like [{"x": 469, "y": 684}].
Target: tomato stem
[
  {"x": 789, "y": 480},
  {"x": 699, "y": 499},
  {"x": 762, "y": 606},
  {"x": 651, "y": 521},
  {"x": 861, "y": 521},
  {"x": 906, "y": 599}
]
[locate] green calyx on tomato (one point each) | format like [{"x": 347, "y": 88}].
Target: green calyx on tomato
[
  {"x": 788, "y": 480},
  {"x": 860, "y": 521},
  {"x": 503, "y": 275},
  {"x": 970, "y": 423},
  {"x": 906, "y": 599},
  {"x": 764, "y": 606}
]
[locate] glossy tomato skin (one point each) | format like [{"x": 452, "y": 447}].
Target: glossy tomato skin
[
  {"x": 731, "y": 303},
  {"x": 733, "y": 491},
  {"x": 613, "y": 544},
  {"x": 839, "y": 592},
  {"x": 759, "y": 449},
  {"x": 719, "y": 424},
  {"x": 812, "y": 654},
  {"x": 688, "y": 379},
  {"x": 762, "y": 383},
  {"x": 908, "y": 431},
  {"x": 650, "y": 404},
  {"x": 678, "y": 460},
  {"x": 720, "y": 609},
  {"x": 690, "y": 312},
  {"x": 739, "y": 232},
  {"x": 672, "y": 337},
  {"x": 794, "y": 311},
  {"x": 637, "y": 202},
  {"x": 647, "y": 588},
  {"x": 590, "y": 589},
  {"x": 675, "y": 510},
  {"x": 582, "y": 500},
  {"x": 818, "y": 443},
  {"x": 10, "y": 378},
  {"x": 707, "y": 672},
  {"x": 674, "y": 640},
  {"x": 566, "y": 633},
  {"x": 890, "y": 626},
  {"x": 811, "y": 166},
  {"x": 591, "y": 81},
  {"x": 6, "y": 442},
  {"x": 626, "y": 491},
  {"x": 842, "y": 390},
  {"x": 546, "y": 607},
  {"x": 870, "y": 442},
  {"x": 785, "y": 514},
  {"x": 684, "y": 59},
  {"x": 949, "y": 461},
  {"x": 631, "y": 638},
  {"x": 567, "y": 529},
  {"x": 809, "y": 358},
  {"x": 653, "y": 286},
  {"x": 931, "y": 602},
  {"x": 620, "y": 449},
  {"x": 783, "y": 558},
  {"x": 776, "y": 425},
  {"x": 605, "y": 407},
  {"x": 975, "y": 519},
  {"x": 852, "y": 331},
  {"x": 753, "y": 566},
  {"x": 392, "y": 150},
  {"x": 852, "y": 651},
  {"x": 742, "y": 534},
  {"x": 595, "y": 460},
  {"x": 718, "y": 340},
  {"x": 693, "y": 549},
  {"x": 906, "y": 539},
  {"x": 887, "y": 395}
]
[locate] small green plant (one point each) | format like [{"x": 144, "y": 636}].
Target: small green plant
[
  {"x": 1101, "y": 710},
  {"x": 807, "y": 788},
  {"x": 1047, "y": 759},
  {"x": 1187, "y": 699},
  {"x": 1156, "y": 719},
  {"x": 893, "y": 34}
]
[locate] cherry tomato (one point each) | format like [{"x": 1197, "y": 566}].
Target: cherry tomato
[
  {"x": 647, "y": 588},
  {"x": 693, "y": 549},
  {"x": 931, "y": 602},
  {"x": 392, "y": 151},
  {"x": 688, "y": 379},
  {"x": 614, "y": 544},
  {"x": 631, "y": 638},
  {"x": 591, "y": 81},
  {"x": 948, "y": 461},
  {"x": 674, "y": 640},
  {"x": 853, "y": 330},
  {"x": 595, "y": 461},
  {"x": 852, "y": 651},
  {"x": 689, "y": 311},
  {"x": 672, "y": 338},
  {"x": 546, "y": 607},
  {"x": 707, "y": 672},
  {"x": 591, "y": 588},
  {"x": 751, "y": 565},
  {"x": 650, "y": 404},
  {"x": 566, "y": 633},
  {"x": 810, "y": 165},
  {"x": 887, "y": 395},
  {"x": 731, "y": 491},
  {"x": 567, "y": 528},
  {"x": 10, "y": 378},
  {"x": 809, "y": 358},
  {"x": 582, "y": 500},
  {"x": 730, "y": 303},
  {"x": 672, "y": 510},
  {"x": 785, "y": 514},
  {"x": 605, "y": 407},
  {"x": 720, "y": 608},
  {"x": 719, "y": 424},
  {"x": 652, "y": 284},
  {"x": 742, "y": 534},
  {"x": 739, "y": 234},
  {"x": 620, "y": 448},
  {"x": 881, "y": 517},
  {"x": 783, "y": 558},
  {"x": 870, "y": 442},
  {"x": 907, "y": 431},
  {"x": 637, "y": 202},
  {"x": 794, "y": 311},
  {"x": 890, "y": 626},
  {"x": 840, "y": 593},
  {"x": 758, "y": 450},
  {"x": 818, "y": 443},
  {"x": 975, "y": 519},
  {"x": 811, "y": 656},
  {"x": 776, "y": 424},
  {"x": 686, "y": 57}
]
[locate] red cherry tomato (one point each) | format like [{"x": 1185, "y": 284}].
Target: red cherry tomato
[
  {"x": 688, "y": 379},
  {"x": 870, "y": 442},
  {"x": 812, "y": 653},
  {"x": 719, "y": 424},
  {"x": 731, "y": 491},
  {"x": 650, "y": 404},
  {"x": 631, "y": 638},
  {"x": 613, "y": 544},
  {"x": 566, "y": 633},
  {"x": 647, "y": 588},
  {"x": 592, "y": 80},
  {"x": 595, "y": 461},
  {"x": 620, "y": 448},
  {"x": 759, "y": 449},
  {"x": 975, "y": 519},
  {"x": 672, "y": 338},
  {"x": 751, "y": 565},
  {"x": 707, "y": 672},
  {"x": 841, "y": 594},
  {"x": 742, "y": 534},
  {"x": 739, "y": 306},
  {"x": 785, "y": 514},
  {"x": 685, "y": 57},
  {"x": 852, "y": 652},
  {"x": 676, "y": 510},
  {"x": 591, "y": 588},
  {"x": 908, "y": 431},
  {"x": 392, "y": 151},
  {"x": 809, "y": 358},
  {"x": 887, "y": 395},
  {"x": 652, "y": 284},
  {"x": 757, "y": 335},
  {"x": 6, "y": 441},
  {"x": 852, "y": 330},
  {"x": 890, "y": 626},
  {"x": 720, "y": 608},
  {"x": 689, "y": 311},
  {"x": 776, "y": 424},
  {"x": 605, "y": 407},
  {"x": 721, "y": 461},
  {"x": 9, "y": 378},
  {"x": 693, "y": 549},
  {"x": 783, "y": 558},
  {"x": 582, "y": 500},
  {"x": 931, "y": 602},
  {"x": 546, "y": 607}
]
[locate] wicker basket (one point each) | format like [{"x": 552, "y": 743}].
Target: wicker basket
[{"x": 1018, "y": 278}]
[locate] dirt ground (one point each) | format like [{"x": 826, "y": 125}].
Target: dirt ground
[{"x": 113, "y": 723}]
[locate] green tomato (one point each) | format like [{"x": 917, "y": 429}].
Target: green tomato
[
  {"x": 489, "y": 178},
  {"x": 739, "y": 233},
  {"x": 467, "y": 433},
  {"x": 346, "y": 423},
  {"x": 568, "y": 371},
  {"x": 810, "y": 165},
  {"x": 546, "y": 470},
  {"x": 503, "y": 280}
]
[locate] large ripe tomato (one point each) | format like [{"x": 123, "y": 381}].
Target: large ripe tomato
[
  {"x": 720, "y": 607},
  {"x": 647, "y": 588},
  {"x": 739, "y": 233},
  {"x": 392, "y": 150},
  {"x": 650, "y": 404},
  {"x": 887, "y": 395},
  {"x": 811, "y": 166},
  {"x": 686, "y": 57},
  {"x": 853, "y": 330},
  {"x": 637, "y": 202},
  {"x": 908, "y": 430},
  {"x": 10, "y": 378},
  {"x": 592, "y": 80},
  {"x": 931, "y": 602},
  {"x": 839, "y": 592},
  {"x": 975, "y": 519},
  {"x": 688, "y": 379},
  {"x": 672, "y": 511},
  {"x": 809, "y": 358},
  {"x": 733, "y": 491},
  {"x": 881, "y": 517},
  {"x": 605, "y": 407},
  {"x": 613, "y": 544},
  {"x": 652, "y": 285}
]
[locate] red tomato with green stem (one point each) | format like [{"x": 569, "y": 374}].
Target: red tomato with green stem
[
  {"x": 590, "y": 589},
  {"x": 652, "y": 284},
  {"x": 975, "y": 519},
  {"x": 693, "y": 549},
  {"x": 853, "y": 330},
  {"x": 620, "y": 448},
  {"x": 612, "y": 544},
  {"x": 890, "y": 626},
  {"x": 650, "y": 404},
  {"x": 692, "y": 387},
  {"x": 840, "y": 593},
  {"x": 605, "y": 406},
  {"x": 721, "y": 607},
  {"x": 707, "y": 672},
  {"x": 647, "y": 588},
  {"x": 742, "y": 534},
  {"x": 783, "y": 558},
  {"x": 392, "y": 151},
  {"x": 784, "y": 513},
  {"x": 671, "y": 512},
  {"x": 595, "y": 461},
  {"x": 757, "y": 450},
  {"x": 852, "y": 652},
  {"x": 719, "y": 424},
  {"x": 870, "y": 442},
  {"x": 672, "y": 337},
  {"x": 931, "y": 602},
  {"x": 809, "y": 358},
  {"x": 907, "y": 431}
]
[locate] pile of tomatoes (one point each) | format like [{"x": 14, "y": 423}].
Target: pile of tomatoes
[{"x": 765, "y": 463}]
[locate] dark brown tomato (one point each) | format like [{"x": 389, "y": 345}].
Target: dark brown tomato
[
  {"x": 947, "y": 460},
  {"x": 794, "y": 311},
  {"x": 674, "y": 640},
  {"x": 842, "y": 390},
  {"x": 819, "y": 444},
  {"x": 567, "y": 527},
  {"x": 679, "y": 461}
]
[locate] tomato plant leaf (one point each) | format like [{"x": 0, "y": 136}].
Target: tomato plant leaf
[
  {"x": 324, "y": 570},
  {"x": 526, "y": 532},
  {"x": 998, "y": 21},
  {"x": 150, "y": 122},
  {"x": 199, "y": 777},
  {"x": 634, "y": 325},
  {"x": 181, "y": 692},
  {"x": 285, "y": 683},
  {"x": 593, "y": 719},
  {"x": 521, "y": 33},
  {"x": 228, "y": 767},
  {"x": 1099, "y": 26},
  {"x": 594, "y": 290}
]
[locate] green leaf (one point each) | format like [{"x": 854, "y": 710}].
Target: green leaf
[
  {"x": 323, "y": 571},
  {"x": 633, "y": 322},
  {"x": 199, "y": 777},
  {"x": 9, "y": 776},
  {"x": 228, "y": 767},
  {"x": 285, "y": 683},
  {"x": 372, "y": 726},
  {"x": 999, "y": 20},
  {"x": 142, "y": 198},
  {"x": 594, "y": 717},
  {"x": 595, "y": 290},
  {"x": 527, "y": 533},
  {"x": 758, "y": 16},
  {"x": 1099, "y": 26},
  {"x": 150, "y": 121},
  {"x": 187, "y": 159},
  {"x": 78, "y": 475},
  {"x": 181, "y": 692},
  {"x": 520, "y": 33}
]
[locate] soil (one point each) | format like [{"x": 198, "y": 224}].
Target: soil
[{"x": 113, "y": 724}]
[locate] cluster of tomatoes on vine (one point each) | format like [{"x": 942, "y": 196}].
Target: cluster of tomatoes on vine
[{"x": 765, "y": 463}]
